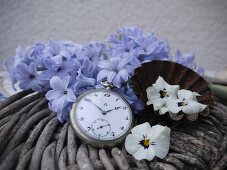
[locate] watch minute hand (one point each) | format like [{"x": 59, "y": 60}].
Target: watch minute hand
[{"x": 98, "y": 107}]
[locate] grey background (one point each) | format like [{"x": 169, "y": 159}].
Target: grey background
[{"x": 198, "y": 25}]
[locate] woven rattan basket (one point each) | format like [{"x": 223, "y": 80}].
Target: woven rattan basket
[{"x": 32, "y": 138}]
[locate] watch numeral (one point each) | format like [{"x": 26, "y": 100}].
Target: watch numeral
[
  {"x": 124, "y": 108},
  {"x": 81, "y": 119},
  {"x": 107, "y": 95},
  {"x": 80, "y": 107},
  {"x": 87, "y": 100},
  {"x": 122, "y": 128},
  {"x": 88, "y": 128},
  {"x": 116, "y": 108},
  {"x": 105, "y": 104},
  {"x": 126, "y": 118},
  {"x": 112, "y": 134},
  {"x": 96, "y": 95},
  {"x": 117, "y": 99}
]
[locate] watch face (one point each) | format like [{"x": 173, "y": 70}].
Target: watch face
[{"x": 102, "y": 115}]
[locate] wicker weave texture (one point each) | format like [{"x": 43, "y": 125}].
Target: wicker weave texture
[{"x": 32, "y": 138}]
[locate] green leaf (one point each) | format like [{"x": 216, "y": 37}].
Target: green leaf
[{"x": 219, "y": 90}]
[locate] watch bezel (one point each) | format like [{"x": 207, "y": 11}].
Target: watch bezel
[{"x": 86, "y": 138}]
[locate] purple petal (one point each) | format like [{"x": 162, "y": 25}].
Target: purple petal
[
  {"x": 105, "y": 65},
  {"x": 59, "y": 103},
  {"x": 102, "y": 74},
  {"x": 65, "y": 82},
  {"x": 52, "y": 94},
  {"x": 115, "y": 61},
  {"x": 48, "y": 63},
  {"x": 123, "y": 63},
  {"x": 110, "y": 76},
  {"x": 32, "y": 69},
  {"x": 24, "y": 85},
  {"x": 57, "y": 59},
  {"x": 56, "y": 83},
  {"x": 22, "y": 68},
  {"x": 71, "y": 97},
  {"x": 124, "y": 75},
  {"x": 117, "y": 81}
]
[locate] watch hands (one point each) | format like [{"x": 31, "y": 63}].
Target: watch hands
[
  {"x": 116, "y": 108},
  {"x": 100, "y": 127},
  {"x": 111, "y": 110},
  {"x": 88, "y": 100}
]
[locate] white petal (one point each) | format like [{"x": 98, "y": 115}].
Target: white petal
[
  {"x": 132, "y": 143},
  {"x": 142, "y": 153},
  {"x": 161, "y": 146},
  {"x": 192, "y": 107},
  {"x": 185, "y": 94},
  {"x": 196, "y": 94},
  {"x": 163, "y": 110},
  {"x": 159, "y": 130},
  {"x": 172, "y": 91},
  {"x": 158, "y": 103},
  {"x": 142, "y": 129},
  {"x": 160, "y": 83},
  {"x": 152, "y": 94},
  {"x": 172, "y": 105},
  {"x": 202, "y": 107}
]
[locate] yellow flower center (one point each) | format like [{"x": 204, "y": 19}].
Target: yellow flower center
[
  {"x": 145, "y": 143},
  {"x": 163, "y": 93},
  {"x": 180, "y": 104}
]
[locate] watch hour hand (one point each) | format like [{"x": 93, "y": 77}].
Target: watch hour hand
[{"x": 116, "y": 108}]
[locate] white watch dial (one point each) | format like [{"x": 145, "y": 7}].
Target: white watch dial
[{"x": 103, "y": 115}]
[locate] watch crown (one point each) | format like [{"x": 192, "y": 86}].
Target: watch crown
[{"x": 107, "y": 85}]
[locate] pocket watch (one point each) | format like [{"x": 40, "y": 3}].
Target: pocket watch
[{"x": 101, "y": 117}]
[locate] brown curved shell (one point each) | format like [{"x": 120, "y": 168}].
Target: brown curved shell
[{"x": 174, "y": 74}]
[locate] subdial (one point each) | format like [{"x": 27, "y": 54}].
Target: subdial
[{"x": 101, "y": 127}]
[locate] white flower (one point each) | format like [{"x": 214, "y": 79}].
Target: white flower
[
  {"x": 146, "y": 142},
  {"x": 186, "y": 102},
  {"x": 159, "y": 92}
]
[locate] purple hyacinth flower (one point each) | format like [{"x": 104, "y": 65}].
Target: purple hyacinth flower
[
  {"x": 62, "y": 114},
  {"x": 62, "y": 69},
  {"x": 116, "y": 70},
  {"x": 200, "y": 70},
  {"x": 60, "y": 94},
  {"x": 28, "y": 77},
  {"x": 124, "y": 49},
  {"x": 188, "y": 60},
  {"x": 129, "y": 33},
  {"x": 56, "y": 51},
  {"x": 92, "y": 51},
  {"x": 128, "y": 93},
  {"x": 150, "y": 48},
  {"x": 88, "y": 68},
  {"x": 34, "y": 53},
  {"x": 84, "y": 83}
]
